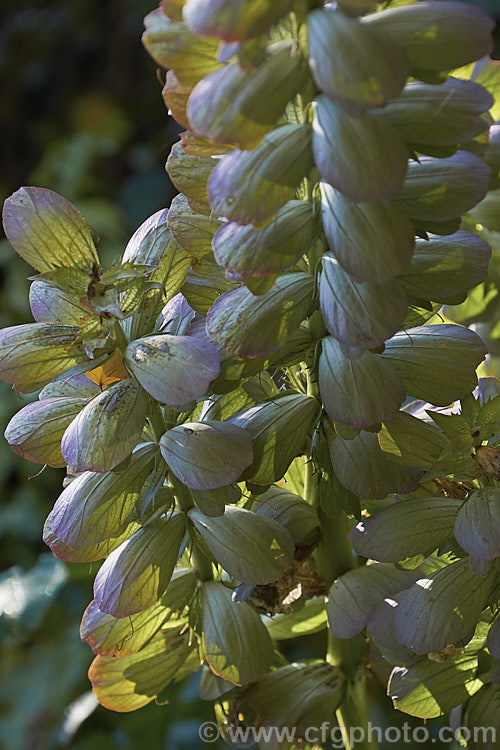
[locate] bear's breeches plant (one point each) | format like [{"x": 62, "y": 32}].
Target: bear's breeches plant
[{"x": 268, "y": 427}]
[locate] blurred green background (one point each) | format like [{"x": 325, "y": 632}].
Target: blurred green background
[{"x": 83, "y": 115}]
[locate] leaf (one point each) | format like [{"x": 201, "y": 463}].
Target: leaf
[
  {"x": 175, "y": 95},
  {"x": 131, "y": 682},
  {"x": 360, "y": 315},
  {"x": 477, "y": 528},
  {"x": 371, "y": 241},
  {"x": 233, "y": 21},
  {"x": 439, "y": 115},
  {"x": 73, "y": 386},
  {"x": 296, "y": 515},
  {"x": 417, "y": 526},
  {"x": 194, "y": 232},
  {"x": 49, "y": 304},
  {"x": 153, "y": 244},
  {"x": 279, "y": 429},
  {"x": 353, "y": 596},
  {"x": 35, "y": 432},
  {"x": 173, "y": 45},
  {"x": 207, "y": 455},
  {"x": 119, "y": 637},
  {"x": 482, "y": 718},
  {"x": 190, "y": 175},
  {"x": 246, "y": 251},
  {"x": 359, "y": 390},
  {"x": 235, "y": 642},
  {"x": 440, "y": 189},
  {"x": 365, "y": 469},
  {"x": 173, "y": 369},
  {"x": 493, "y": 641},
  {"x": 47, "y": 231},
  {"x": 85, "y": 554},
  {"x": 33, "y": 354},
  {"x": 306, "y": 620},
  {"x": 213, "y": 502},
  {"x": 436, "y": 37},
  {"x": 442, "y": 608},
  {"x": 136, "y": 574},
  {"x": 444, "y": 268},
  {"x": 412, "y": 441},
  {"x": 437, "y": 363},
  {"x": 249, "y": 186},
  {"x": 429, "y": 689},
  {"x": 251, "y": 548},
  {"x": 107, "y": 429},
  {"x": 363, "y": 157},
  {"x": 297, "y": 695},
  {"x": 95, "y": 506},
  {"x": 250, "y": 326},
  {"x": 352, "y": 62},
  {"x": 239, "y": 106}
]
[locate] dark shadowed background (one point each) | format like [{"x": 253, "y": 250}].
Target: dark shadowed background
[{"x": 83, "y": 115}]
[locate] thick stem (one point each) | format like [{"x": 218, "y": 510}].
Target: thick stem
[
  {"x": 200, "y": 563},
  {"x": 156, "y": 420},
  {"x": 336, "y": 558}
]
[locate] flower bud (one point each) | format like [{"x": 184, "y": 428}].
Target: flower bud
[
  {"x": 225, "y": 626},
  {"x": 233, "y": 20},
  {"x": 194, "y": 232},
  {"x": 137, "y": 573},
  {"x": 358, "y": 391},
  {"x": 173, "y": 45},
  {"x": 477, "y": 528},
  {"x": 133, "y": 681},
  {"x": 418, "y": 526},
  {"x": 47, "y": 230},
  {"x": 33, "y": 354},
  {"x": 363, "y": 157},
  {"x": 96, "y": 506},
  {"x": 371, "y": 241},
  {"x": 250, "y": 326},
  {"x": 152, "y": 244},
  {"x": 441, "y": 608},
  {"x": 49, "y": 304},
  {"x": 207, "y": 455},
  {"x": 247, "y": 252},
  {"x": 361, "y": 315},
  {"x": 176, "y": 95},
  {"x": 249, "y": 186},
  {"x": 298, "y": 695},
  {"x": 279, "y": 429},
  {"x": 190, "y": 175},
  {"x": 436, "y": 36},
  {"x": 251, "y": 548},
  {"x": 439, "y": 115},
  {"x": 366, "y": 470},
  {"x": 444, "y": 268},
  {"x": 36, "y": 431},
  {"x": 353, "y": 63},
  {"x": 173, "y": 369},
  {"x": 236, "y": 106},
  {"x": 90, "y": 553},
  {"x": 107, "y": 429},
  {"x": 437, "y": 363},
  {"x": 296, "y": 515}
]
